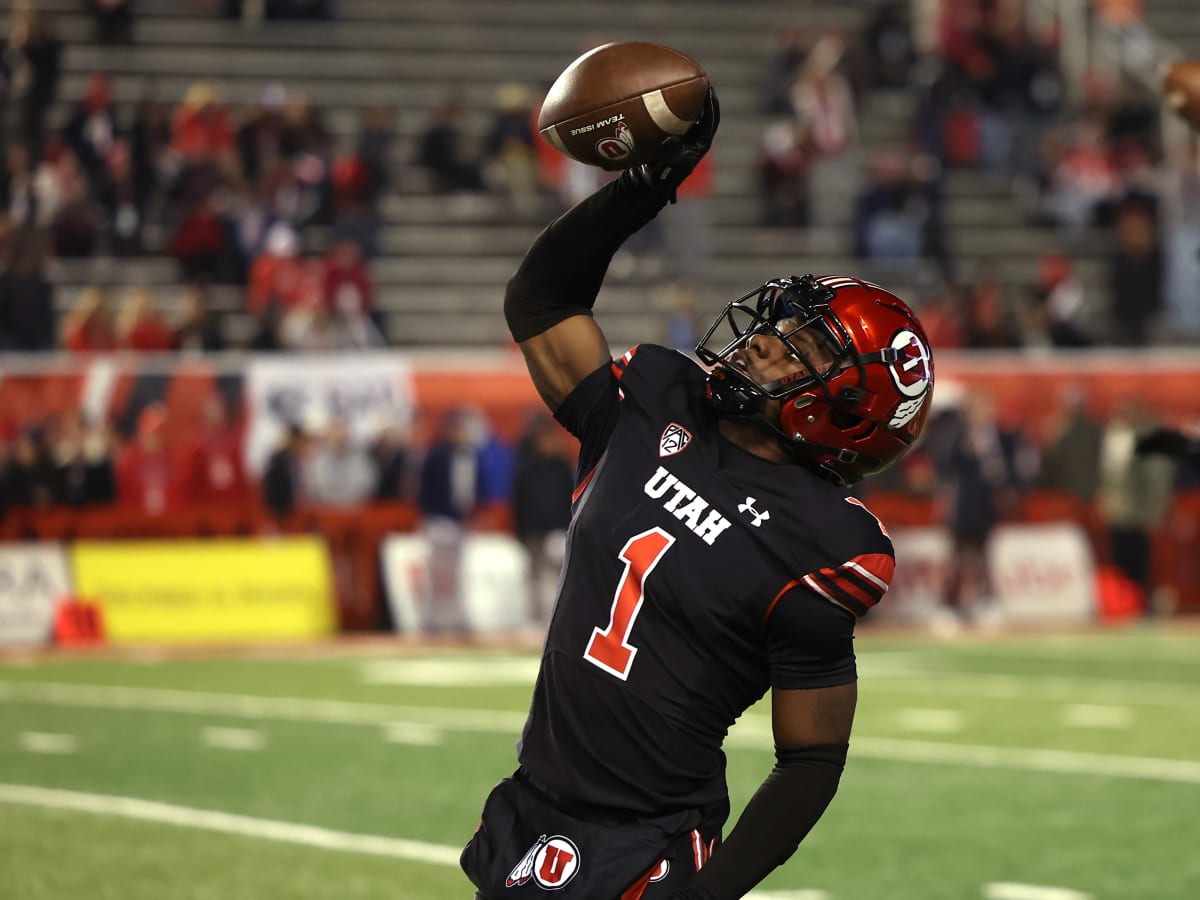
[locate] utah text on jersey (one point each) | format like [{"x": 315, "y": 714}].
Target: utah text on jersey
[{"x": 709, "y": 528}]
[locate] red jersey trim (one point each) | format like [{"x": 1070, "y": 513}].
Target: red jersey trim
[
  {"x": 770, "y": 609},
  {"x": 635, "y": 890},
  {"x": 578, "y": 492},
  {"x": 619, "y": 365},
  {"x": 699, "y": 849}
]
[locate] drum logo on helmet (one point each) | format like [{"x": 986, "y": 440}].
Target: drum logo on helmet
[{"x": 912, "y": 370}]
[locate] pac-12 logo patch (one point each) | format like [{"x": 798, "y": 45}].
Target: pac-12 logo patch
[
  {"x": 674, "y": 439},
  {"x": 551, "y": 862}
]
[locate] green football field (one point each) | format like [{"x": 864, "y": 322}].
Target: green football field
[{"x": 1010, "y": 768}]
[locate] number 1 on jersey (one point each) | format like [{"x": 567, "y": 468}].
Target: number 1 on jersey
[{"x": 610, "y": 649}]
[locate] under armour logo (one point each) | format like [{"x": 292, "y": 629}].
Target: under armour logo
[{"x": 759, "y": 517}]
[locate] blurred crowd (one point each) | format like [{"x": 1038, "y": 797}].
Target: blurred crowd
[
  {"x": 264, "y": 201},
  {"x": 259, "y": 197},
  {"x": 457, "y": 473},
  {"x": 979, "y": 469},
  {"x": 992, "y": 98}
]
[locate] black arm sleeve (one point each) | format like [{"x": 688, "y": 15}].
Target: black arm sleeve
[
  {"x": 775, "y": 821},
  {"x": 562, "y": 271}
]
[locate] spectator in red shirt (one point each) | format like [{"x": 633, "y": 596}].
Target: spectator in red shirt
[
  {"x": 147, "y": 476},
  {"x": 214, "y": 460},
  {"x": 201, "y": 128},
  {"x": 355, "y": 182},
  {"x": 278, "y": 276},
  {"x": 346, "y": 288},
  {"x": 202, "y": 245},
  {"x": 89, "y": 325},
  {"x": 140, "y": 326}
]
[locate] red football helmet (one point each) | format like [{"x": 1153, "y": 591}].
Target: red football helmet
[{"x": 852, "y": 417}]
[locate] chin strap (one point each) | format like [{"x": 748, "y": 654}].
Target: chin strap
[{"x": 728, "y": 397}]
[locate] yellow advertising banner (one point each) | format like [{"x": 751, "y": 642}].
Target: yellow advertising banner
[{"x": 207, "y": 590}]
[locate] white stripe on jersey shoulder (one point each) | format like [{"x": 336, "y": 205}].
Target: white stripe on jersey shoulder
[
  {"x": 874, "y": 579},
  {"x": 816, "y": 588}
]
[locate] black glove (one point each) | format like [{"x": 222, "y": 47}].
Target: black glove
[
  {"x": 678, "y": 156},
  {"x": 1167, "y": 442}
]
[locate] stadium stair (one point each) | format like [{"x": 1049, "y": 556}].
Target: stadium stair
[{"x": 410, "y": 54}]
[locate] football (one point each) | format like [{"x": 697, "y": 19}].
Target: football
[
  {"x": 1181, "y": 90},
  {"x": 613, "y": 106}
]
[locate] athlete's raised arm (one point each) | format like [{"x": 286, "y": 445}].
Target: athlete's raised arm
[{"x": 548, "y": 303}]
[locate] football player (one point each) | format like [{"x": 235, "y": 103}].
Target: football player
[{"x": 714, "y": 554}]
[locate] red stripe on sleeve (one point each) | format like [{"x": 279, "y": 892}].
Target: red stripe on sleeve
[
  {"x": 817, "y": 588},
  {"x": 852, "y": 587},
  {"x": 877, "y": 568},
  {"x": 863, "y": 579}
]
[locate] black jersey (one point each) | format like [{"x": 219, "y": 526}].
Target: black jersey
[{"x": 697, "y": 575}]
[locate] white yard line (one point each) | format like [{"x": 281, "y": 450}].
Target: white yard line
[
  {"x": 229, "y": 823},
  {"x": 415, "y": 734},
  {"x": 221, "y": 738},
  {"x": 1059, "y": 762},
  {"x": 752, "y": 732},
  {"x": 1033, "y": 688},
  {"x": 1092, "y": 715},
  {"x": 1011, "y": 890},
  {"x": 48, "y": 743},
  {"x": 482, "y": 671},
  {"x": 252, "y": 706},
  {"x": 1085, "y": 649},
  {"x": 939, "y": 721}
]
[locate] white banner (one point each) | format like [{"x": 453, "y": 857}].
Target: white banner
[
  {"x": 1043, "y": 573},
  {"x": 493, "y": 583},
  {"x": 363, "y": 390},
  {"x": 1040, "y": 573},
  {"x": 33, "y": 579}
]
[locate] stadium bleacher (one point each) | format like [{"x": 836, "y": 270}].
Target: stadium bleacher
[{"x": 410, "y": 55}]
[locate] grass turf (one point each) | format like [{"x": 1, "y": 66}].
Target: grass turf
[{"x": 897, "y": 830}]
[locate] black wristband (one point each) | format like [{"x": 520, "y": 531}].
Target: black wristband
[{"x": 562, "y": 271}]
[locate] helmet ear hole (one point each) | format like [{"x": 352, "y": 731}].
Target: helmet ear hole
[
  {"x": 839, "y": 418},
  {"x": 858, "y": 427}
]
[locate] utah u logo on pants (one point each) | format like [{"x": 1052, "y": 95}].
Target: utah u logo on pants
[{"x": 551, "y": 862}]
